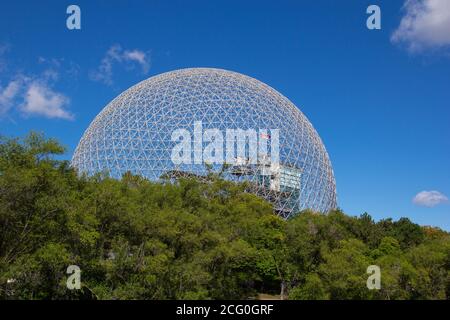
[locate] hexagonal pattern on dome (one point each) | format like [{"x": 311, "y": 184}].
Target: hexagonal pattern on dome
[{"x": 134, "y": 133}]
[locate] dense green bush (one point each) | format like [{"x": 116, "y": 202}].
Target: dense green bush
[{"x": 136, "y": 239}]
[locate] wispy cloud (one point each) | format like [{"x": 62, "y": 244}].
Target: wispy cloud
[
  {"x": 425, "y": 25},
  {"x": 3, "y": 49},
  {"x": 34, "y": 95},
  {"x": 116, "y": 55},
  {"x": 59, "y": 66},
  {"x": 429, "y": 198},
  {"x": 41, "y": 100},
  {"x": 138, "y": 56},
  {"x": 8, "y": 94}
]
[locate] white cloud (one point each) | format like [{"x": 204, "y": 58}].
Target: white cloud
[
  {"x": 34, "y": 94},
  {"x": 8, "y": 94},
  {"x": 425, "y": 25},
  {"x": 429, "y": 198},
  {"x": 139, "y": 57},
  {"x": 116, "y": 55},
  {"x": 104, "y": 71},
  {"x": 39, "y": 99}
]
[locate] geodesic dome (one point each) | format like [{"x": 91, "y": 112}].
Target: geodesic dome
[{"x": 135, "y": 132}]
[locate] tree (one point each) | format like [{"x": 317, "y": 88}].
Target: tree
[
  {"x": 312, "y": 289},
  {"x": 344, "y": 271},
  {"x": 192, "y": 238}
]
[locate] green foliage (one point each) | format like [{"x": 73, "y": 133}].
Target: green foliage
[
  {"x": 312, "y": 289},
  {"x": 192, "y": 239},
  {"x": 344, "y": 270}
]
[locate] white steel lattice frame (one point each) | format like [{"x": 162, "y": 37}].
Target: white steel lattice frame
[{"x": 133, "y": 132}]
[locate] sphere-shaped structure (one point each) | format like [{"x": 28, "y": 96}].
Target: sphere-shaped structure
[{"x": 168, "y": 124}]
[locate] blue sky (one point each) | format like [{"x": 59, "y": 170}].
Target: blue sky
[{"x": 380, "y": 99}]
